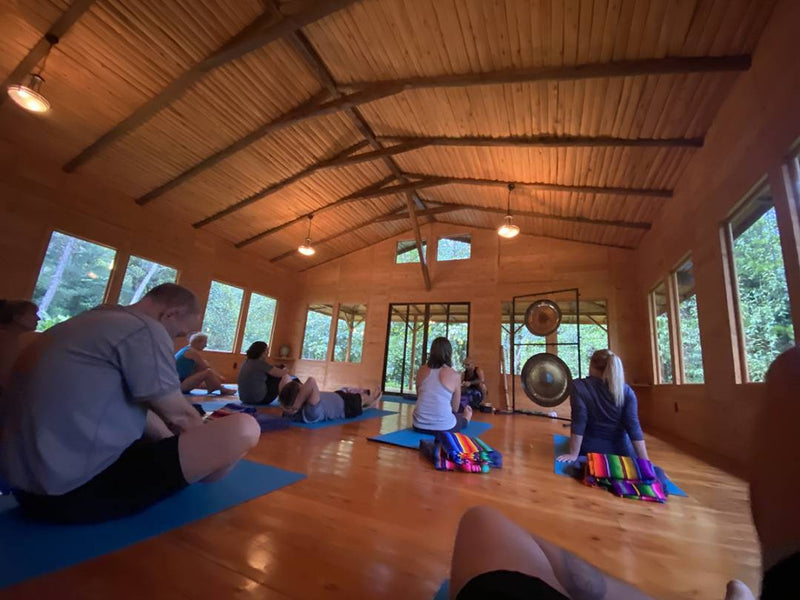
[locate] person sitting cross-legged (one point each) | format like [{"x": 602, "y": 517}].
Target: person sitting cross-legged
[
  {"x": 194, "y": 371},
  {"x": 94, "y": 424},
  {"x": 439, "y": 392}
]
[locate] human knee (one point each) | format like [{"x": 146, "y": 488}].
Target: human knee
[
  {"x": 477, "y": 517},
  {"x": 246, "y": 429}
]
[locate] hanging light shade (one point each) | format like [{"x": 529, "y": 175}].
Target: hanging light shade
[
  {"x": 28, "y": 95},
  {"x": 508, "y": 230},
  {"x": 306, "y": 249}
]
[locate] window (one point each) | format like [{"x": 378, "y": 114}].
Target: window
[
  {"x": 407, "y": 251},
  {"x": 593, "y": 329},
  {"x": 222, "y": 316},
  {"x": 760, "y": 292},
  {"x": 457, "y": 247},
  {"x": 73, "y": 278},
  {"x": 660, "y": 319},
  {"x": 349, "y": 333},
  {"x": 317, "y": 333},
  {"x": 526, "y": 344},
  {"x": 141, "y": 276},
  {"x": 260, "y": 319},
  {"x": 688, "y": 324}
]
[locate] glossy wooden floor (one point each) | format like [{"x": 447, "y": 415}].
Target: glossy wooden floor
[{"x": 377, "y": 521}]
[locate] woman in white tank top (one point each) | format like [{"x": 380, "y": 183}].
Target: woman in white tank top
[{"x": 439, "y": 392}]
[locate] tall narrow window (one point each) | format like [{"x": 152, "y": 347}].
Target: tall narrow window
[
  {"x": 406, "y": 251},
  {"x": 761, "y": 291},
  {"x": 73, "y": 278},
  {"x": 689, "y": 323},
  {"x": 260, "y": 320},
  {"x": 349, "y": 333},
  {"x": 222, "y": 316},
  {"x": 456, "y": 247},
  {"x": 141, "y": 276},
  {"x": 317, "y": 333},
  {"x": 658, "y": 306},
  {"x": 594, "y": 334}
]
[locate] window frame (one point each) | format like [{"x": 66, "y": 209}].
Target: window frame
[
  {"x": 127, "y": 259},
  {"x": 422, "y": 259},
  {"x": 239, "y": 331},
  {"x": 452, "y": 237},
  {"x": 668, "y": 283},
  {"x": 335, "y": 328},
  {"x": 331, "y": 331},
  {"x": 679, "y": 365},
  {"x": 246, "y": 313}
]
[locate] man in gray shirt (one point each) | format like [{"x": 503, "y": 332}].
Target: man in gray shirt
[{"x": 94, "y": 425}]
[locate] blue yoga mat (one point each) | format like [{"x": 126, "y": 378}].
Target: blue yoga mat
[
  {"x": 398, "y": 399},
  {"x": 444, "y": 591},
  {"x": 408, "y": 438},
  {"x": 370, "y": 413},
  {"x": 29, "y": 548},
  {"x": 561, "y": 446},
  {"x": 217, "y": 404}
]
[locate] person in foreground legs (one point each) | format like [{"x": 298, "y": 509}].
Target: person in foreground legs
[{"x": 94, "y": 423}]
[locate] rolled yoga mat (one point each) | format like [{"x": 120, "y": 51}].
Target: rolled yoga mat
[
  {"x": 30, "y": 548},
  {"x": 561, "y": 446},
  {"x": 408, "y": 438}
]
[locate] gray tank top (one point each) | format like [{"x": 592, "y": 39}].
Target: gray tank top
[{"x": 434, "y": 409}]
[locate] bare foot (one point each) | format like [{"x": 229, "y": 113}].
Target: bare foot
[
  {"x": 226, "y": 391},
  {"x": 374, "y": 398},
  {"x": 468, "y": 413}
]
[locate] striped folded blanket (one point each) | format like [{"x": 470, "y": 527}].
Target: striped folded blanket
[
  {"x": 458, "y": 452},
  {"x": 624, "y": 476}
]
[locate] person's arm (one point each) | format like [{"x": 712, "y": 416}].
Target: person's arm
[
  {"x": 197, "y": 357},
  {"x": 630, "y": 419},
  {"x": 479, "y": 378},
  {"x": 274, "y": 371},
  {"x": 178, "y": 414},
  {"x": 579, "y": 419},
  {"x": 453, "y": 378}
]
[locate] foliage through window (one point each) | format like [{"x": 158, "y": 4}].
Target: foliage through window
[
  {"x": 349, "y": 337},
  {"x": 73, "y": 278},
  {"x": 260, "y": 320},
  {"x": 141, "y": 276},
  {"x": 407, "y": 251},
  {"x": 317, "y": 332},
  {"x": 457, "y": 247},
  {"x": 658, "y": 306},
  {"x": 221, "y": 320},
  {"x": 763, "y": 296},
  {"x": 691, "y": 350}
]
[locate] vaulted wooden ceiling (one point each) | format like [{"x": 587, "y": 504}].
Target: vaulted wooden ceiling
[{"x": 245, "y": 117}]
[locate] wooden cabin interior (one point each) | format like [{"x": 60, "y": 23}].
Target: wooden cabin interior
[{"x": 644, "y": 149}]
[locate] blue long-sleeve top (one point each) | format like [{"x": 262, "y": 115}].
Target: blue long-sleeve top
[{"x": 600, "y": 421}]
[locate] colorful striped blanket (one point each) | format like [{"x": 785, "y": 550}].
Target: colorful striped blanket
[
  {"x": 624, "y": 476},
  {"x": 459, "y": 452}
]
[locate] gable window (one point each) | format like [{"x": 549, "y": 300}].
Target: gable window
[
  {"x": 221, "y": 321},
  {"x": 406, "y": 251},
  {"x": 141, "y": 276},
  {"x": 456, "y": 247}
]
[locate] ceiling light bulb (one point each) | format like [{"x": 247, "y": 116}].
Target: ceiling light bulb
[
  {"x": 28, "y": 96},
  {"x": 306, "y": 249},
  {"x": 508, "y": 230}
]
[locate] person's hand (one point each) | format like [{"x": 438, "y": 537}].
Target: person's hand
[{"x": 567, "y": 458}]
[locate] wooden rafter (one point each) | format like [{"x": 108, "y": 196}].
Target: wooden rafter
[
  {"x": 370, "y": 92},
  {"x": 63, "y": 24},
  {"x": 423, "y": 262},
  {"x": 402, "y": 215},
  {"x": 334, "y": 204},
  {"x": 264, "y": 29}
]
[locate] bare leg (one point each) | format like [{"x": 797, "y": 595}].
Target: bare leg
[
  {"x": 505, "y": 546},
  {"x": 468, "y": 413},
  {"x": 210, "y": 451},
  {"x": 195, "y": 380},
  {"x": 370, "y": 399}
]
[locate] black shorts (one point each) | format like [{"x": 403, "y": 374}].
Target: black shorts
[
  {"x": 508, "y": 585},
  {"x": 352, "y": 404},
  {"x": 145, "y": 473},
  {"x": 781, "y": 580}
]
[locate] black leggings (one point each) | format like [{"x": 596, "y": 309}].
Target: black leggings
[{"x": 461, "y": 423}]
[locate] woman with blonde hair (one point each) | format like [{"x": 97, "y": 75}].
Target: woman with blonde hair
[{"x": 605, "y": 414}]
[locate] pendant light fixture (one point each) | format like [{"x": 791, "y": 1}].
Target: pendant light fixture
[
  {"x": 306, "y": 249},
  {"x": 28, "y": 94},
  {"x": 508, "y": 230}
]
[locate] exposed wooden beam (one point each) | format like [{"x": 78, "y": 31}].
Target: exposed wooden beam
[
  {"x": 263, "y": 30},
  {"x": 332, "y": 258},
  {"x": 408, "y": 143},
  {"x": 423, "y": 262},
  {"x": 403, "y": 215},
  {"x": 334, "y": 204},
  {"x": 279, "y": 185},
  {"x": 553, "y": 237},
  {"x": 370, "y": 92},
  {"x": 426, "y": 181},
  {"x": 58, "y": 29}
]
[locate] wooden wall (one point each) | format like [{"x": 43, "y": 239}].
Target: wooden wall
[
  {"x": 36, "y": 197},
  {"x": 749, "y": 140},
  {"x": 497, "y": 271}
]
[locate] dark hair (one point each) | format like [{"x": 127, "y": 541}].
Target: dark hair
[
  {"x": 172, "y": 295},
  {"x": 289, "y": 393},
  {"x": 441, "y": 353},
  {"x": 11, "y": 309},
  {"x": 256, "y": 350}
]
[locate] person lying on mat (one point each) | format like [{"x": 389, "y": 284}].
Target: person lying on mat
[
  {"x": 473, "y": 380},
  {"x": 306, "y": 404},
  {"x": 94, "y": 424},
  {"x": 439, "y": 392},
  {"x": 605, "y": 416},
  {"x": 513, "y": 563},
  {"x": 258, "y": 379},
  {"x": 17, "y": 317},
  {"x": 194, "y": 371}
]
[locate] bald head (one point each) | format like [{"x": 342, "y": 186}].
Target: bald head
[{"x": 172, "y": 305}]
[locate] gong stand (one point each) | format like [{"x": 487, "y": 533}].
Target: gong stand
[{"x": 542, "y": 299}]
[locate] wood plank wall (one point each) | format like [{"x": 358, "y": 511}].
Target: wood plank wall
[
  {"x": 497, "y": 271},
  {"x": 749, "y": 140}
]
